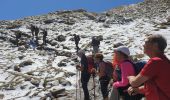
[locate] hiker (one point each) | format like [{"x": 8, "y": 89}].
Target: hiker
[
  {"x": 36, "y": 34},
  {"x": 104, "y": 77},
  {"x": 18, "y": 36},
  {"x": 85, "y": 75},
  {"x": 44, "y": 37},
  {"x": 95, "y": 43},
  {"x": 32, "y": 27},
  {"x": 155, "y": 73},
  {"x": 123, "y": 69},
  {"x": 76, "y": 39}
]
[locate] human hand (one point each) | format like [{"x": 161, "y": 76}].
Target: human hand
[
  {"x": 93, "y": 70},
  {"x": 133, "y": 91},
  {"x": 78, "y": 67}
]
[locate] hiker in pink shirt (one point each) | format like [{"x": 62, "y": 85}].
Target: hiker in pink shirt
[
  {"x": 123, "y": 69},
  {"x": 126, "y": 70}
]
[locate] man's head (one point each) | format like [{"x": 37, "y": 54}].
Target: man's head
[
  {"x": 155, "y": 44},
  {"x": 98, "y": 57}
]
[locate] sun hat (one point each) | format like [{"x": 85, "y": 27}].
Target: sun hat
[{"x": 123, "y": 49}]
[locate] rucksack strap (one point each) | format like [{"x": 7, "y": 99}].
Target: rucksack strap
[{"x": 118, "y": 70}]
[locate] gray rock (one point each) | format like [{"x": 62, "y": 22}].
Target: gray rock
[
  {"x": 64, "y": 82},
  {"x": 115, "y": 45},
  {"x": 17, "y": 68},
  {"x": 21, "y": 57},
  {"x": 56, "y": 93},
  {"x": 61, "y": 38},
  {"x": 26, "y": 63},
  {"x": 54, "y": 43},
  {"x": 61, "y": 64},
  {"x": 2, "y": 96},
  {"x": 102, "y": 18},
  {"x": 67, "y": 29},
  {"x": 35, "y": 82},
  {"x": 21, "y": 48},
  {"x": 69, "y": 74},
  {"x": 49, "y": 21},
  {"x": 91, "y": 16},
  {"x": 63, "y": 53}
]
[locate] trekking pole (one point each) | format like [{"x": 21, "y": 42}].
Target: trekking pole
[
  {"x": 93, "y": 75},
  {"x": 79, "y": 85},
  {"x": 76, "y": 83}
]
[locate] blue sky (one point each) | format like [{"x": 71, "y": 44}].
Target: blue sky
[{"x": 16, "y": 9}]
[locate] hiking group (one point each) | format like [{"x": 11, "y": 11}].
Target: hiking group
[
  {"x": 129, "y": 80},
  {"x": 33, "y": 42}
]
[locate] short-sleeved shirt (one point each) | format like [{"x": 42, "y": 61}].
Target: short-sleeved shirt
[{"x": 158, "y": 85}]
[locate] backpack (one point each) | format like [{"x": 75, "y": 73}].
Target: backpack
[
  {"x": 90, "y": 62},
  {"x": 95, "y": 42},
  {"x": 109, "y": 69},
  {"x": 78, "y": 38},
  {"x": 137, "y": 67}
]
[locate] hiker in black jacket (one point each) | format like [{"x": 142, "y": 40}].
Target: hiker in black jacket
[
  {"x": 76, "y": 39},
  {"x": 95, "y": 43},
  {"x": 44, "y": 37},
  {"x": 85, "y": 75},
  {"x": 36, "y": 34},
  {"x": 18, "y": 36},
  {"x": 32, "y": 27}
]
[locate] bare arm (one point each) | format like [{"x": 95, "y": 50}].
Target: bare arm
[{"x": 138, "y": 80}]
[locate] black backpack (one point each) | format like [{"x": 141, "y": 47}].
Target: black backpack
[
  {"x": 138, "y": 66},
  {"x": 78, "y": 38}
]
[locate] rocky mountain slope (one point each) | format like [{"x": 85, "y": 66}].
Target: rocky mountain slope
[{"x": 49, "y": 72}]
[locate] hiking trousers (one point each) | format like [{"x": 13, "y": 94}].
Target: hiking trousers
[
  {"x": 104, "y": 82},
  {"x": 84, "y": 80},
  {"x": 114, "y": 94},
  {"x": 77, "y": 47}
]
